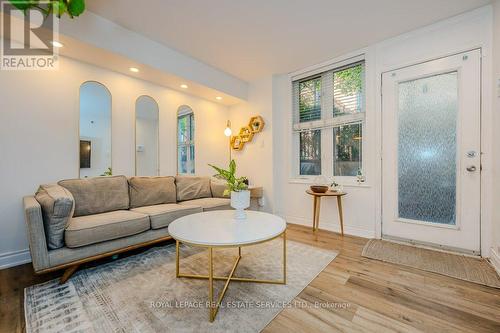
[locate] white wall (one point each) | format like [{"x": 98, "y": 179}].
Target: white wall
[
  {"x": 107, "y": 35},
  {"x": 496, "y": 125},
  {"x": 255, "y": 161},
  {"x": 146, "y": 132},
  {"x": 362, "y": 212},
  {"x": 146, "y": 136},
  {"x": 39, "y": 140}
]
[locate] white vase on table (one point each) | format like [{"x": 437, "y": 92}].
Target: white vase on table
[{"x": 240, "y": 201}]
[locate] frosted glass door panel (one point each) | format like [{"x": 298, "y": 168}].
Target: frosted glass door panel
[{"x": 427, "y": 148}]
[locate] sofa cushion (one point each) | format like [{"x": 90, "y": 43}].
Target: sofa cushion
[
  {"x": 57, "y": 208},
  {"x": 191, "y": 187},
  {"x": 217, "y": 187},
  {"x": 148, "y": 191},
  {"x": 66, "y": 255},
  {"x": 208, "y": 204},
  {"x": 91, "y": 229},
  {"x": 98, "y": 195},
  {"x": 162, "y": 215}
]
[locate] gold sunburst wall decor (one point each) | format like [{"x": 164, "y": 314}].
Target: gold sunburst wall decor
[{"x": 247, "y": 133}]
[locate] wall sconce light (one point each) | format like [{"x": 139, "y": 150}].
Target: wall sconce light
[{"x": 228, "y": 132}]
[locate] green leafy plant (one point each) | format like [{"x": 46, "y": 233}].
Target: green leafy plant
[
  {"x": 59, "y": 7},
  {"x": 108, "y": 172},
  {"x": 350, "y": 80},
  {"x": 234, "y": 184}
]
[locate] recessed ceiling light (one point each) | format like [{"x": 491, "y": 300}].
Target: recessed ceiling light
[
  {"x": 184, "y": 86},
  {"x": 133, "y": 69},
  {"x": 56, "y": 43},
  {"x": 218, "y": 98}
]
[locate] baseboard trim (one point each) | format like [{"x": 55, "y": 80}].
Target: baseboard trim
[
  {"x": 14, "y": 258},
  {"x": 495, "y": 260},
  {"x": 349, "y": 230}
]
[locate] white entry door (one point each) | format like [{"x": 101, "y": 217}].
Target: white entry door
[{"x": 431, "y": 157}]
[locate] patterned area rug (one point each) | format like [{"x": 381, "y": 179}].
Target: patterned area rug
[
  {"x": 462, "y": 267},
  {"x": 141, "y": 293}
]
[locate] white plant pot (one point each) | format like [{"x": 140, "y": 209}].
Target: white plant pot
[{"x": 240, "y": 201}]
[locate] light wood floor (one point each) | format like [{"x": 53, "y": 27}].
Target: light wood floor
[{"x": 371, "y": 296}]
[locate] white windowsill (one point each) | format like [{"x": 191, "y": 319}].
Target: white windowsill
[{"x": 345, "y": 183}]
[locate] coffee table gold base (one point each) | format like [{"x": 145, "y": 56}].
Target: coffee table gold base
[{"x": 214, "y": 306}]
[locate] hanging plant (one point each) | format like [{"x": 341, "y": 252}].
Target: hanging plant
[{"x": 58, "y": 7}]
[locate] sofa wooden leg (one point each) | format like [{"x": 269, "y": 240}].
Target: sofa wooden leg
[{"x": 67, "y": 273}]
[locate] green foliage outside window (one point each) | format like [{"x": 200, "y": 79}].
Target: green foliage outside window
[
  {"x": 348, "y": 146},
  {"x": 351, "y": 80},
  {"x": 310, "y": 99}
]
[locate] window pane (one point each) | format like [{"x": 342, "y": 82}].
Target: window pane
[
  {"x": 310, "y": 100},
  {"x": 191, "y": 162},
  {"x": 348, "y": 90},
  {"x": 185, "y": 145},
  {"x": 182, "y": 129},
  {"x": 191, "y": 127},
  {"x": 347, "y": 150},
  {"x": 310, "y": 152},
  {"x": 182, "y": 159}
]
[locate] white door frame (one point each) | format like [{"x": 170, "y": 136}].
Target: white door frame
[
  {"x": 464, "y": 235},
  {"x": 487, "y": 203}
]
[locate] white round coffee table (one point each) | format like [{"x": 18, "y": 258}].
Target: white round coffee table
[{"x": 219, "y": 229}]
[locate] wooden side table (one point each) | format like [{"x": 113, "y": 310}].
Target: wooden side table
[{"x": 317, "y": 204}]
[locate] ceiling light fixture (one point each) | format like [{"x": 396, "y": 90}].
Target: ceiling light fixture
[
  {"x": 133, "y": 69},
  {"x": 218, "y": 98},
  {"x": 184, "y": 86},
  {"x": 56, "y": 43}
]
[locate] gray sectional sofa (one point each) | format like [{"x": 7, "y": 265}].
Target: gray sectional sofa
[{"x": 80, "y": 220}]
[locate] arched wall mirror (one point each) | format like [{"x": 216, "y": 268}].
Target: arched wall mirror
[
  {"x": 146, "y": 136},
  {"x": 95, "y": 130},
  {"x": 185, "y": 140}
]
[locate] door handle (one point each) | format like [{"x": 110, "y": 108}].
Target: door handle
[{"x": 471, "y": 168}]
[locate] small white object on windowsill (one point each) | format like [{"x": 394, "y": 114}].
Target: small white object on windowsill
[{"x": 360, "y": 177}]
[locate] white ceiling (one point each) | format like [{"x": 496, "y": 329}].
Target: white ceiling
[{"x": 251, "y": 39}]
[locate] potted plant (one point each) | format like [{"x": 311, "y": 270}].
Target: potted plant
[
  {"x": 59, "y": 7},
  {"x": 237, "y": 188}
]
